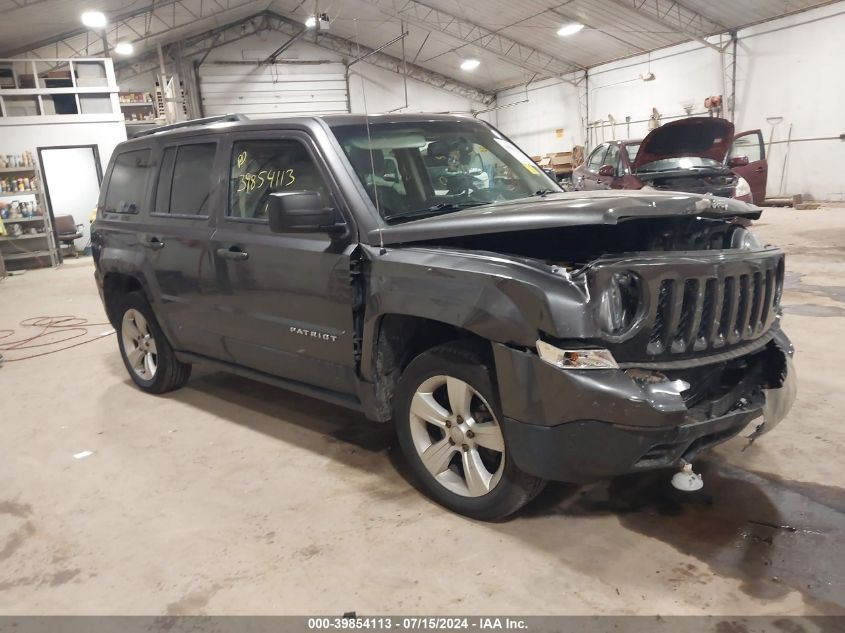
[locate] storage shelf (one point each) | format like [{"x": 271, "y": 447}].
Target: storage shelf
[
  {"x": 9, "y": 238},
  {"x": 28, "y": 255},
  {"x": 138, "y": 104},
  {"x": 13, "y": 194},
  {"x": 17, "y": 170},
  {"x": 38, "y": 218}
]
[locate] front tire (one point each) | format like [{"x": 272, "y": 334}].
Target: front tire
[
  {"x": 147, "y": 355},
  {"x": 447, "y": 418}
]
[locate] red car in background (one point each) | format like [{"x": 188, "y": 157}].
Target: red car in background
[{"x": 694, "y": 155}]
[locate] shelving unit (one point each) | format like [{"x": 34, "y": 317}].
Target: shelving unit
[
  {"x": 138, "y": 107},
  {"x": 28, "y": 246}
]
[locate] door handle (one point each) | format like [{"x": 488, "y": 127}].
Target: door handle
[
  {"x": 760, "y": 169},
  {"x": 155, "y": 244},
  {"x": 232, "y": 253}
]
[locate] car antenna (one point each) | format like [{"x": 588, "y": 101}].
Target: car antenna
[{"x": 382, "y": 250}]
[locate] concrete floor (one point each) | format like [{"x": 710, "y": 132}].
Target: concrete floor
[{"x": 232, "y": 497}]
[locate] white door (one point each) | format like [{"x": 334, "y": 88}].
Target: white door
[
  {"x": 72, "y": 177},
  {"x": 273, "y": 90}
]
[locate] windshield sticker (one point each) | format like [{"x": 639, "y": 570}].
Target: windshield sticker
[{"x": 250, "y": 182}]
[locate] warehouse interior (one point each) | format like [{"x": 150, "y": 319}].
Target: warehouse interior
[{"x": 237, "y": 496}]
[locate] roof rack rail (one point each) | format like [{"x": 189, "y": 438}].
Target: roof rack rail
[{"x": 192, "y": 123}]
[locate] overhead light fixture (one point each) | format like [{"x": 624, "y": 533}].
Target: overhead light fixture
[
  {"x": 311, "y": 22},
  {"x": 470, "y": 64},
  {"x": 124, "y": 48},
  {"x": 570, "y": 29},
  {"x": 94, "y": 19}
]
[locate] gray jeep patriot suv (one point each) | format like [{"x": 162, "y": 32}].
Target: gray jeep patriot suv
[{"x": 422, "y": 269}]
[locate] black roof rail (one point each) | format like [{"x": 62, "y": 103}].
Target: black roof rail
[{"x": 192, "y": 123}]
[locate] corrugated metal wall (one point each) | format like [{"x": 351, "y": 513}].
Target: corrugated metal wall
[{"x": 261, "y": 91}]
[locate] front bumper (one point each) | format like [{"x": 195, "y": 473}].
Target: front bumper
[{"x": 586, "y": 425}]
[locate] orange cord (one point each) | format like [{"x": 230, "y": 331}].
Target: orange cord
[{"x": 75, "y": 327}]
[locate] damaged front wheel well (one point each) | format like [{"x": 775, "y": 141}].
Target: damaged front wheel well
[{"x": 401, "y": 338}]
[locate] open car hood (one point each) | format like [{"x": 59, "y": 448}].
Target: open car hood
[
  {"x": 562, "y": 209},
  {"x": 703, "y": 137}
]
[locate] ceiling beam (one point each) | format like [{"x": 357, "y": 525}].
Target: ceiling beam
[
  {"x": 153, "y": 19},
  {"x": 201, "y": 44},
  {"x": 679, "y": 18},
  {"x": 470, "y": 33},
  {"x": 20, "y": 4}
]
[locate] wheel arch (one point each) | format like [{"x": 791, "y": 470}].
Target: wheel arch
[
  {"x": 395, "y": 340},
  {"x": 115, "y": 286}
]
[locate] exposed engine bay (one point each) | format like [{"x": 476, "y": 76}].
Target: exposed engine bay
[{"x": 584, "y": 244}]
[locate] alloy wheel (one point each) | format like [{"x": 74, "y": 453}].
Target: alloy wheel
[
  {"x": 457, "y": 436},
  {"x": 139, "y": 344}
]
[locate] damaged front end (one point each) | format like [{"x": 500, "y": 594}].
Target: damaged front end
[
  {"x": 686, "y": 353},
  {"x": 629, "y": 332},
  {"x": 594, "y": 424}
]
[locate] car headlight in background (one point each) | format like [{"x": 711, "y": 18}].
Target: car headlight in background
[
  {"x": 575, "y": 358},
  {"x": 619, "y": 302},
  {"x": 742, "y": 188},
  {"x": 744, "y": 240}
]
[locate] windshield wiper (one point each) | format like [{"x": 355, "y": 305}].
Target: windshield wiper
[{"x": 442, "y": 207}]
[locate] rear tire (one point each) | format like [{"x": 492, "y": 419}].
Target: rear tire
[
  {"x": 147, "y": 355},
  {"x": 447, "y": 417}
]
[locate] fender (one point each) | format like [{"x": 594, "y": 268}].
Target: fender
[{"x": 510, "y": 305}]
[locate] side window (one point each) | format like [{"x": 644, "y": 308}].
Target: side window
[
  {"x": 596, "y": 159},
  {"x": 130, "y": 180},
  {"x": 612, "y": 158},
  {"x": 185, "y": 182},
  {"x": 749, "y": 145},
  {"x": 259, "y": 168}
]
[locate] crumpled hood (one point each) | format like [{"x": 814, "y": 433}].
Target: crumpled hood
[
  {"x": 703, "y": 137},
  {"x": 563, "y": 209}
]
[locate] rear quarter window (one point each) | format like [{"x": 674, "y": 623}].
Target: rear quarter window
[{"x": 130, "y": 180}]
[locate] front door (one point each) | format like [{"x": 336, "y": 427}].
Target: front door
[
  {"x": 283, "y": 301},
  {"x": 591, "y": 168},
  {"x": 756, "y": 172}
]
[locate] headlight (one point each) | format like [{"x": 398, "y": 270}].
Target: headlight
[
  {"x": 742, "y": 188},
  {"x": 619, "y": 302},
  {"x": 576, "y": 358},
  {"x": 744, "y": 240}
]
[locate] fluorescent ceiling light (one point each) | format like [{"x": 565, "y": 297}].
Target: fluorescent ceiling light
[
  {"x": 311, "y": 22},
  {"x": 470, "y": 64},
  {"x": 123, "y": 48},
  {"x": 570, "y": 29},
  {"x": 94, "y": 19}
]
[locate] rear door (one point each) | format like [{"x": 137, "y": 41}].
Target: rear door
[
  {"x": 750, "y": 144},
  {"x": 283, "y": 301},
  {"x": 177, "y": 242}
]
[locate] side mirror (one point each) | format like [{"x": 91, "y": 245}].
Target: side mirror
[
  {"x": 607, "y": 171},
  {"x": 302, "y": 212},
  {"x": 738, "y": 161},
  {"x": 551, "y": 173}
]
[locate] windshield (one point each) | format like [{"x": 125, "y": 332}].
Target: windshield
[
  {"x": 418, "y": 168},
  {"x": 679, "y": 162}
]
